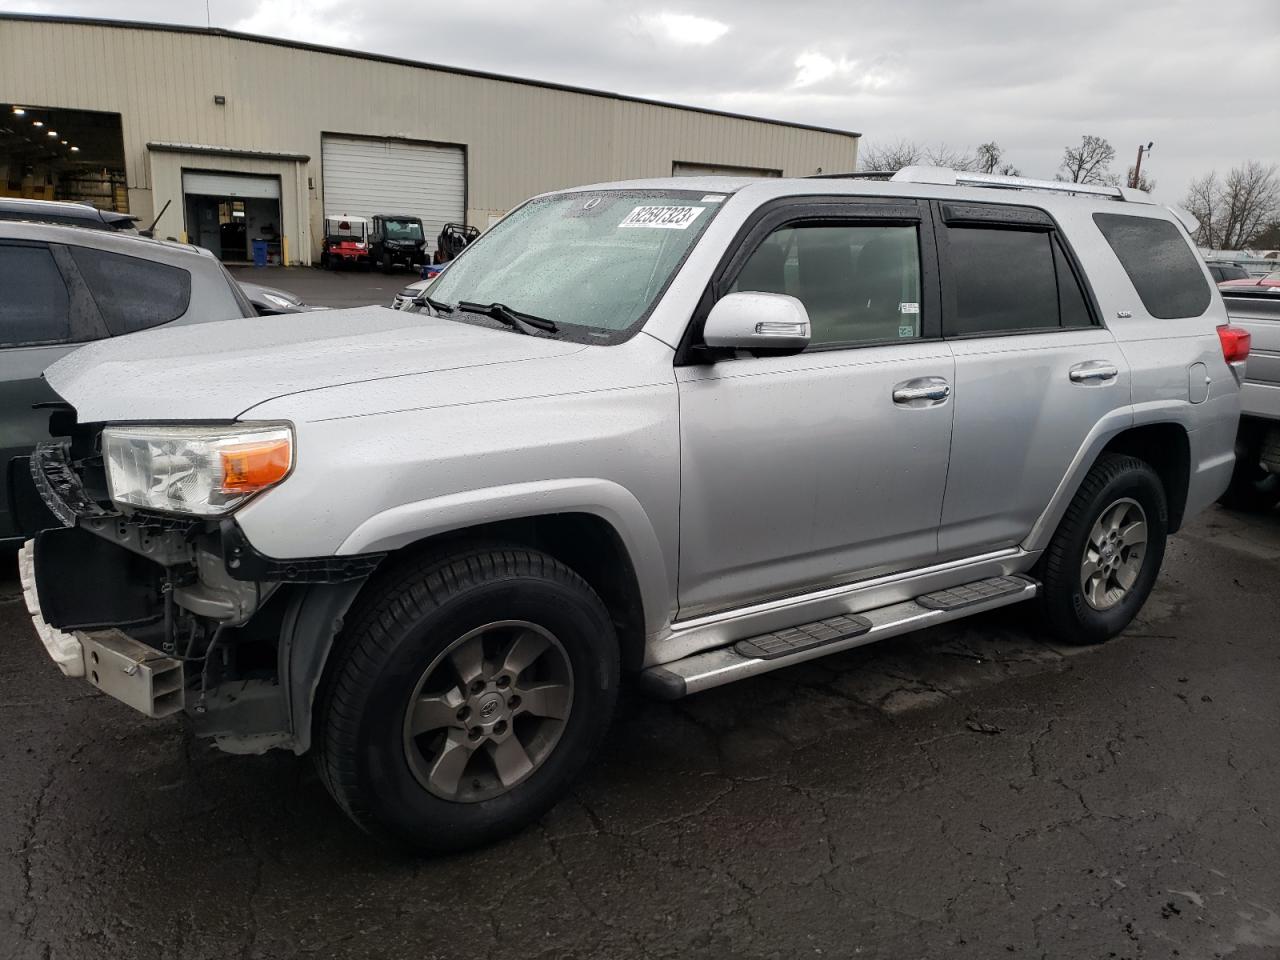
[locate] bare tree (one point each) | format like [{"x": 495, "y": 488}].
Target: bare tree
[
  {"x": 1269, "y": 238},
  {"x": 988, "y": 157},
  {"x": 1144, "y": 182},
  {"x": 1088, "y": 163},
  {"x": 1202, "y": 201},
  {"x": 889, "y": 158},
  {"x": 1235, "y": 212},
  {"x": 945, "y": 156}
]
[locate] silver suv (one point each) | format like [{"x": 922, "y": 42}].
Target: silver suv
[
  {"x": 1255, "y": 485},
  {"x": 686, "y": 430}
]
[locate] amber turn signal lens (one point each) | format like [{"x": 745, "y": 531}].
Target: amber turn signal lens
[{"x": 255, "y": 466}]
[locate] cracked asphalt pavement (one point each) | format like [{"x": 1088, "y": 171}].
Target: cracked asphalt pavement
[{"x": 968, "y": 791}]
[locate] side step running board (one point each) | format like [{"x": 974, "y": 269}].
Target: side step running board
[{"x": 782, "y": 648}]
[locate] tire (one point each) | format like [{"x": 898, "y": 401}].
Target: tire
[
  {"x": 387, "y": 265},
  {"x": 1253, "y": 489},
  {"x": 395, "y": 645},
  {"x": 1072, "y": 614}
]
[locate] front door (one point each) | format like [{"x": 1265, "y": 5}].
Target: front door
[
  {"x": 1035, "y": 370},
  {"x": 821, "y": 468}
]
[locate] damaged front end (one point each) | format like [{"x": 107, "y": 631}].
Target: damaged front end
[{"x": 171, "y": 613}]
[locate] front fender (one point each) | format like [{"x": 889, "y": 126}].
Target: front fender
[{"x": 407, "y": 523}]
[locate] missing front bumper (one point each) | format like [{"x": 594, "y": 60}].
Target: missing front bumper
[
  {"x": 63, "y": 648},
  {"x": 133, "y": 673}
]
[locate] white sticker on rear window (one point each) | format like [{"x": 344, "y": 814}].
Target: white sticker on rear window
[
  {"x": 662, "y": 218},
  {"x": 908, "y": 308},
  {"x": 713, "y": 198}
]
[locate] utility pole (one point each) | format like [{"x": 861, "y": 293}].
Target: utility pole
[{"x": 1137, "y": 167}]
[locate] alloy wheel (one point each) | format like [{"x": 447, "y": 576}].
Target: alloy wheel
[
  {"x": 1114, "y": 554},
  {"x": 488, "y": 711}
]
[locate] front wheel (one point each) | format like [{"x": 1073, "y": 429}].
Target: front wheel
[
  {"x": 466, "y": 695},
  {"x": 1105, "y": 555}
]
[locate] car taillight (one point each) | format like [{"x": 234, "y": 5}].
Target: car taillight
[{"x": 1235, "y": 343}]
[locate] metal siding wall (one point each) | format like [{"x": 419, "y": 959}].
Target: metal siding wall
[{"x": 520, "y": 139}]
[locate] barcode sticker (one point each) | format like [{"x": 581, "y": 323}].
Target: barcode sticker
[{"x": 661, "y": 218}]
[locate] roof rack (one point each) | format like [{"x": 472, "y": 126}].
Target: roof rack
[
  {"x": 964, "y": 178},
  {"x": 860, "y": 175}
]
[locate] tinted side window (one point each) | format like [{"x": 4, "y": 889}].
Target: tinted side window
[
  {"x": 34, "y": 305},
  {"x": 1159, "y": 261},
  {"x": 131, "y": 293},
  {"x": 1004, "y": 280},
  {"x": 1071, "y": 297},
  {"x": 859, "y": 283}
]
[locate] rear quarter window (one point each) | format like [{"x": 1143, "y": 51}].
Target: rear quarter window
[
  {"x": 1159, "y": 262},
  {"x": 131, "y": 293}
]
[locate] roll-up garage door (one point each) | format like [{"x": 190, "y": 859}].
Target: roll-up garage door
[
  {"x": 364, "y": 176},
  {"x": 231, "y": 185}
]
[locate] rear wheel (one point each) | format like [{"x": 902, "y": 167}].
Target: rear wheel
[
  {"x": 387, "y": 265},
  {"x": 467, "y": 694},
  {"x": 1253, "y": 488},
  {"x": 1105, "y": 555}
]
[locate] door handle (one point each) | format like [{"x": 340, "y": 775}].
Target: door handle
[
  {"x": 1093, "y": 371},
  {"x": 922, "y": 392}
]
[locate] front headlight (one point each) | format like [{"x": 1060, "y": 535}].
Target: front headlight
[
  {"x": 201, "y": 470},
  {"x": 279, "y": 302}
]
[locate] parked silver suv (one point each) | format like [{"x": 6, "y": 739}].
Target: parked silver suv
[
  {"x": 1255, "y": 485},
  {"x": 690, "y": 430}
]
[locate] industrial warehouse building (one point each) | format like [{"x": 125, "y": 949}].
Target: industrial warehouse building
[{"x": 231, "y": 138}]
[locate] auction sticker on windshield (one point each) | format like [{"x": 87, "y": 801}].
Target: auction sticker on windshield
[{"x": 662, "y": 218}]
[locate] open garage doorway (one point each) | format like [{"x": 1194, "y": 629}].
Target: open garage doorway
[
  {"x": 226, "y": 213},
  {"x": 51, "y": 153}
]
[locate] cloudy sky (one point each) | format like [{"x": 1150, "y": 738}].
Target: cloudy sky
[{"x": 1202, "y": 80}]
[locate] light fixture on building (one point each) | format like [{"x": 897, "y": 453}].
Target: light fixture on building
[
  {"x": 219, "y": 99},
  {"x": 37, "y": 123},
  {"x": 63, "y": 142},
  {"x": 19, "y": 112},
  {"x": 75, "y": 149},
  {"x": 52, "y": 133}
]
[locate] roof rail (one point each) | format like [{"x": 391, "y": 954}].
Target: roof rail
[
  {"x": 964, "y": 178},
  {"x": 860, "y": 175}
]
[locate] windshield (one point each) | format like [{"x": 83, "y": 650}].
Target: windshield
[
  {"x": 593, "y": 263},
  {"x": 403, "y": 229},
  {"x": 345, "y": 229}
]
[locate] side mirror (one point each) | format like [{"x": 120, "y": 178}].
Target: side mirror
[{"x": 771, "y": 322}]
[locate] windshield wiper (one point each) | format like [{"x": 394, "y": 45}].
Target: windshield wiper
[
  {"x": 524, "y": 322},
  {"x": 436, "y": 305}
]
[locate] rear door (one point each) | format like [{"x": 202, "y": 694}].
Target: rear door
[{"x": 1035, "y": 369}]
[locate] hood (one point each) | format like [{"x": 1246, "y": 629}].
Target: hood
[{"x": 216, "y": 371}]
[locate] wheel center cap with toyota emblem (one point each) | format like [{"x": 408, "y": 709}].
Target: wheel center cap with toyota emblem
[{"x": 490, "y": 707}]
